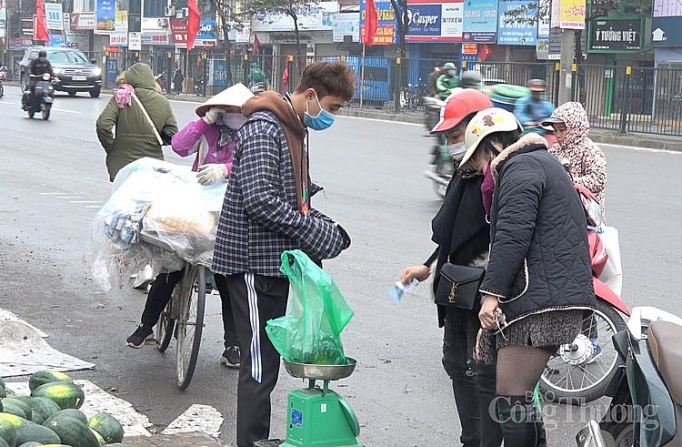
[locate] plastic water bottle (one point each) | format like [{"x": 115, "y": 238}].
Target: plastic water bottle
[{"x": 399, "y": 288}]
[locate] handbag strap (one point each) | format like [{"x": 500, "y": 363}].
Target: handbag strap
[{"x": 149, "y": 120}]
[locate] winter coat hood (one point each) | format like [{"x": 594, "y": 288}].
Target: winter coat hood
[
  {"x": 140, "y": 76},
  {"x": 577, "y": 125},
  {"x": 526, "y": 140}
]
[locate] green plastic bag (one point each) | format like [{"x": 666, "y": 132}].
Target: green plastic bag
[{"x": 310, "y": 332}]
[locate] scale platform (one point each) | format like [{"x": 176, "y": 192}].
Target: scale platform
[{"x": 317, "y": 416}]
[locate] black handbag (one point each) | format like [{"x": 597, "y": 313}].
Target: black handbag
[{"x": 458, "y": 285}]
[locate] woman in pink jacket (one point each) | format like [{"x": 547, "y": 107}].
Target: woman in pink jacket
[{"x": 211, "y": 138}]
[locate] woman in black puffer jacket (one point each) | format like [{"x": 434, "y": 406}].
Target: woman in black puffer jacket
[{"x": 538, "y": 285}]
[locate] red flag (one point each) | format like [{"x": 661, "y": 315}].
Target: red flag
[
  {"x": 256, "y": 44},
  {"x": 41, "y": 25},
  {"x": 193, "y": 23},
  {"x": 370, "y": 23},
  {"x": 285, "y": 78}
]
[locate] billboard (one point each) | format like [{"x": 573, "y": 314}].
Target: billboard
[
  {"x": 53, "y": 16},
  {"x": 386, "y": 22},
  {"x": 434, "y": 21},
  {"x": 480, "y": 21},
  {"x": 615, "y": 35},
  {"x": 517, "y": 29},
  {"x": 105, "y": 17},
  {"x": 665, "y": 23}
]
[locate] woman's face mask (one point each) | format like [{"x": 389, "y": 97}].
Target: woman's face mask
[
  {"x": 233, "y": 120},
  {"x": 487, "y": 189},
  {"x": 457, "y": 151}
]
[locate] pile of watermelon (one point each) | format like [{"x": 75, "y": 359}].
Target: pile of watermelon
[{"x": 50, "y": 416}]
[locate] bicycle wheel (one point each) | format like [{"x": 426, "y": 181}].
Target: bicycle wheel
[
  {"x": 164, "y": 328},
  {"x": 190, "y": 322}
]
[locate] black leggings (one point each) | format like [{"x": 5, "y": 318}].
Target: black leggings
[{"x": 160, "y": 294}]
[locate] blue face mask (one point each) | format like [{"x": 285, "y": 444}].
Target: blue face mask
[{"x": 322, "y": 121}]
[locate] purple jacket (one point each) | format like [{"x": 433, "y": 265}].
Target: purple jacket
[{"x": 184, "y": 143}]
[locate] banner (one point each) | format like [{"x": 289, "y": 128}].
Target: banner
[
  {"x": 207, "y": 35},
  {"x": 572, "y": 14},
  {"x": 310, "y": 17},
  {"x": 178, "y": 32},
  {"x": 346, "y": 24},
  {"x": 53, "y": 16},
  {"x": 665, "y": 24},
  {"x": 135, "y": 41},
  {"x": 386, "y": 22},
  {"x": 521, "y": 30},
  {"x": 432, "y": 21},
  {"x": 82, "y": 21},
  {"x": 106, "y": 17},
  {"x": 480, "y": 21},
  {"x": 240, "y": 35}
]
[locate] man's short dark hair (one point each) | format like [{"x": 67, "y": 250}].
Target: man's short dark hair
[{"x": 329, "y": 79}]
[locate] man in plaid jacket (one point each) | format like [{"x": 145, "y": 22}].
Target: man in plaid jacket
[{"x": 267, "y": 211}]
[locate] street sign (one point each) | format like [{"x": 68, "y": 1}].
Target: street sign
[
  {"x": 611, "y": 35},
  {"x": 135, "y": 41}
]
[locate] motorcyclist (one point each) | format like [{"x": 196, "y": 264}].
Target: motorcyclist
[
  {"x": 447, "y": 81},
  {"x": 533, "y": 109},
  {"x": 38, "y": 68},
  {"x": 433, "y": 80},
  {"x": 471, "y": 79}
]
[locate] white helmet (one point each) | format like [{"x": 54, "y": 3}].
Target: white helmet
[{"x": 484, "y": 123}]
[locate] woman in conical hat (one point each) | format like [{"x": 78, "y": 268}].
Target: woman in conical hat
[{"x": 211, "y": 138}]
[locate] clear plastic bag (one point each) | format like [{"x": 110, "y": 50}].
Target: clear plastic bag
[
  {"x": 158, "y": 214},
  {"x": 310, "y": 332}
]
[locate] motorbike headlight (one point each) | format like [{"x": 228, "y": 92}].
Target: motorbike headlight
[
  {"x": 97, "y": 71},
  {"x": 46, "y": 76}
]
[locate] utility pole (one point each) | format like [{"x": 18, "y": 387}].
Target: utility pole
[{"x": 565, "y": 75}]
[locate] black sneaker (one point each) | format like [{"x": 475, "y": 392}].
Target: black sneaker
[
  {"x": 141, "y": 334},
  {"x": 230, "y": 357}
]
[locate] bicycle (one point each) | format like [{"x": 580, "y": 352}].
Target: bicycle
[{"x": 183, "y": 318}]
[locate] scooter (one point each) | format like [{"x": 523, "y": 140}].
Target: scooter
[
  {"x": 3, "y": 76},
  {"x": 581, "y": 372},
  {"x": 646, "y": 404},
  {"x": 40, "y": 100},
  {"x": 441, "y": 160}
]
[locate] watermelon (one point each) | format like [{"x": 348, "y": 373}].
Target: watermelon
[
  {"x": 3, "y": 391},
  {"x": 26, "y": 408},
  {"x": 8, "y": 433},
  {"x": 99, "y": 437},
  {"x": 11, "y": 408},
  {"x": 44, "y": 407},
  {"x": 37, "y": 433},
  {"x": 64, "y": 394},
  {"x": 31, "y": 444},
  {"x": 3, "y": 443},
  {"x": 73, "y": 432},
  {"x": 107, "y": 426},
  {"x": 47, "y": 376},
  {"x": 13, "y": 419},
  {"x": 71, "y": 413}
]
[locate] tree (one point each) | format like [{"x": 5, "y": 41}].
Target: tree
[{"x": 289, "y": 7}]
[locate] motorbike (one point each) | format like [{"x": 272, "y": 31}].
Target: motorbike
[
  {"x": 646, "y": 404},
  {"x": 441, "y": 160},
  {"x": 41, "y": 99},
  {"x": 3, "y": 76},
  {"x": 258, "y": 87},
  {"x": 581, "y": 372}
]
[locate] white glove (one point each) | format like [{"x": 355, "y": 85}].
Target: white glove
[
  {"x": 212, "y": 173},
  {"x": 213, "y": 114}
]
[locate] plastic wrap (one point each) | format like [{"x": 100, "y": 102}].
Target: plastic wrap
[{"x": 158, "y": 214}]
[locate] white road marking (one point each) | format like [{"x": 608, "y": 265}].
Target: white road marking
[
  {"x": 92, "y": 206},
  {"x": 51, "y": 193},
  {"x": 85, "y": 201},
  {"x": 66, "y": 111},
  {"x": 8, "y": 103},
  {"x": 69, "y": 197},
  {"x": 203, "y": 418}
]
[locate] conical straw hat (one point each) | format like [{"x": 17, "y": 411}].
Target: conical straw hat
[{"x": 234, "y": 96}]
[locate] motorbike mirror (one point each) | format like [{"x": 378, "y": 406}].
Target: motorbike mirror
[{"x": 46, "y": 76}]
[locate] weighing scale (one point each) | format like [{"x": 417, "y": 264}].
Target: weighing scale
[{"x": 318, "y": 417}]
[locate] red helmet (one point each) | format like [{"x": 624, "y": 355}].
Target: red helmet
[{"x": 458, "y": 106}]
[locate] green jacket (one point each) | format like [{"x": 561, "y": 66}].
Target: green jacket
[
  {"x": 256, "y": 73},
  {"x": 445, "y": 83},
  {"x": 134, "y": 137}
]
